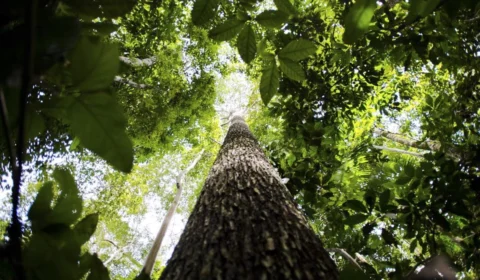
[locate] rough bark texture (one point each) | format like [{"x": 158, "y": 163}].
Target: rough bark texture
[{"x": 245, "y": 224}]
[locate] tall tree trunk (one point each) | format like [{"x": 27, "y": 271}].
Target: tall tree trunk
[{"x": 245, "y": 224}]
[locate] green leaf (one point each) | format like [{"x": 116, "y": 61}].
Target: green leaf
[
  {"x": 440, "y": 220},
  {"x": 352, "y": 272},
  {"x": 409, "y": 170},
  {"x": 34, "y": 124},
  {"x": 355, "y": 205},
  {"x": 69, "y": 204},
  {"x": 413, "y": 245},
  {"x": 358, "y": 20},
  {"x": 246, "y": 44},
  {"x": 85, "y": 228},
  {"x": 203, "y": 11},
  {"x": 285, "y": 6},
  {"x": 98, "y": 270},
  {"x": 93, "y": 64},
  {"x": 356, "y": 219},
  {"x": 384, "y": 199},
  {"x": 102, "y": 8},
  {"x": 42, "y": 204},
  {"x": 98, "y": 121},
  {"x": 227, "y": 30},
  {"x": 269, "y": 82},
  {"x": 388, "y": 237},
  {"x": 421, "y": 8},
  {"x": 297, "y": 50},
  {"x": 272, "y": 18},
  {"x": 292, "y": 69},
  {"x": 403, "y": 179},
  {"x": 370, "y": 198}
]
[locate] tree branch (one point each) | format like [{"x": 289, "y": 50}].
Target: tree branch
[
  {"x": 138, "y": 62},
  {"x": 345, "y": 255},
  {"x": 152, "y": 255},
  {"x": 131, "y": 83},
  {"x": 399, "y": 151}
]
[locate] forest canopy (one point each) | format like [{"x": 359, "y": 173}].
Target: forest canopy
[{"x": 369, "y": 110}]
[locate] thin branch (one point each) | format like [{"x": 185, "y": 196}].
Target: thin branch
[
  {"x": 138, "y": 62},
  {"x": 215, "y": 141},
  {"x": 345, "y": 255},
  {"x": 152, "y": 255},
  {"x": 399, "y": 151},
  {"x": 131, "y": 83}
]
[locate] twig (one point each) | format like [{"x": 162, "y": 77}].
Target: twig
[
  {"x": 215, "y": 141},
  {"x": 346, "y": 255}
]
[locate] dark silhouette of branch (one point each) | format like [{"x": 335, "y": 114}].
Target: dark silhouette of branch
[{"x": 15, "y": 228}]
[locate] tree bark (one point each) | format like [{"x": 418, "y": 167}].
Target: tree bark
[{"x": 245, "y": 224}]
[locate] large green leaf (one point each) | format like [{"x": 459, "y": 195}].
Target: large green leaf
[
  {"x": 93, "y": 64},
  {"x": 269, "y": 82},
  {"x": 246, "y": 44},
  {"x": 272, "y": 18},
  {"x": 102, "y": 8},
  {"x": 42, "y": 204},
  {"x": 203, "y": 11},
  {"x": 421, "y": 8},
  {"x": 297, "y": 50},
  {"x": 227, "y": 30},
  {"x": 292, "y": 69},
  {"x": 98, "y": 270},
  {"x": 355, "y": 205},
  {"x": 68, "y": 207},
  {"x": 356, "y": 219},
  {"x": 358, "y": 20},
  {"x": 384, "y": 199},
  {"x": 85, "y": 228},
  {"x": 285, "y": 6},
  {"x": 98, "y": 121}
]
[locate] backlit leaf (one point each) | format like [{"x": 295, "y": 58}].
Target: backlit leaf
[
  {"x": 285, "y": 6},
  {"x": 358, "y": 20},
  {"x": 292, "y": 69},
  {"x": 203, "y": 11},
  {"x": 272, "y": 18},
  {"x": 227, "y": 30},
  {"x": 42, "y": 204},
  {"x": 98, "y": 121},
  {"x": 269, "y": 82},
  {"x": 246, "y": 44},
  {"x": 298, "y": 49},
  {"x": 93, "y": 64},
  {"x": 85, "y": 228}
]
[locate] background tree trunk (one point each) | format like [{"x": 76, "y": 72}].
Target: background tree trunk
[{"x": 245, "y": 224}]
